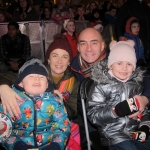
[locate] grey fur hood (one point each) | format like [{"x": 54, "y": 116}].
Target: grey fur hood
[{"x": 100, "y": 73}]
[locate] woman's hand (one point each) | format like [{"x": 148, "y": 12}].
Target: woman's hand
[
  {"x": 143, "y": 102},
  {"x": 58, "y": 93},
  {"x": 9, "y": 101}
]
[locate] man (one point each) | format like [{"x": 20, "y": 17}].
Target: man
[
  {"x": 91, "y": 51},
  {"x": 129, "y": 9},
  {"x": 80, "y": 13},
  {"x": 14, "y": 49}
]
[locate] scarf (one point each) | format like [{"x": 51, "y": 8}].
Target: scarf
[{"x": 86, "y": 67}]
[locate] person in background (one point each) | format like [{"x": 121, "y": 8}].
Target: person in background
[
  {"x": 92, "y": 5},
  {"x": 46, "y": 10},
  {"x": 129, "y": 9},
  {"x": 71, "y": 35},
  {"x": 132, "y": 33},
  {"x": 43, "y": 114},
  {"x": 14, "y": 48},
  {"x": 46, "y": 15},
  {"x": 64, "y": 9},
  {"x": 112, "y": 99},
  {"x": 11, "y": 8},
  {"x": 3, "y": 16},
  {"x": 119, "y": 4},
  {"x": 81, "y": 16},
  {"x": 24, "y": 12},
  {"x": 110, "y": 16}
]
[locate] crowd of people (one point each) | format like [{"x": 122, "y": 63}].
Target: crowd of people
[{"x": 41, "y": 103}]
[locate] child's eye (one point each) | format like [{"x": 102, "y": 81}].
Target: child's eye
[{"x": 129, "y": 64}]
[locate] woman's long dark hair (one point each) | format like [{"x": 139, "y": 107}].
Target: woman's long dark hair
[{"x": 20, "y": 8}]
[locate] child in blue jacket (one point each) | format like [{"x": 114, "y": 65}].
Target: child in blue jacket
[
  {"x": 44, "y": 123},
  {"x": 132, "y": 33}
]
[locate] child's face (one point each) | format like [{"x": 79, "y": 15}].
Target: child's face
[
  {"x": 34, "y": 84},
  {"x": 113, "y": 12},
  {"x": 70, "y": 26},
  {"x": 122, "y": 69},
  {"x": 135, "y": 28}
]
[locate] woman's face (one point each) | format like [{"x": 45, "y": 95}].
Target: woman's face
[
  {"x": 59, "y": 60},
  {"x": 23, "y": 3}
]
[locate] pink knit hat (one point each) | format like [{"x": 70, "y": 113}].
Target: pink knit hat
[{"x": 122, "y": 51}]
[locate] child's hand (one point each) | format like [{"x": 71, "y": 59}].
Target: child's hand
[
  {"x": 142, "y": 134},
  {"x": 127, "y": 107}
]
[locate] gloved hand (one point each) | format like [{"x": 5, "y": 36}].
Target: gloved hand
[
  {"x": 127, "y": 107},
  {"x": 142, "y": 134}
]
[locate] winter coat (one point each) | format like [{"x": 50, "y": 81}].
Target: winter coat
[
  {"x": 139, "y": 48},
  {"x": 107, "y": 92},
  {"x": 70, "y": 91},
  {"x": 141, "y": 11},
  {"x": 44, "y": 120}
]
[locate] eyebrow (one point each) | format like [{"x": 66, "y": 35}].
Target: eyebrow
[{"x": 90, "y": 41}]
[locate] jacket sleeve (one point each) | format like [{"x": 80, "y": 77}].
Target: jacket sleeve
[
  {"x": 8, "y": 78},
  {"x": 2, "y": 50},
  {"x": 146, "y": 90},
  {"x": 71, "y": 103},
  {"x": 26, "y": 51},
  {"x": 145, "y": 118},
  {"x": 60, "y": 125},
  {"x": 98, "y": 112}
]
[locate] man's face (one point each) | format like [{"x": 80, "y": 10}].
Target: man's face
[
  {"x": 90, "y": 45},
  {"x": 12, "y": 31},
  {"x": 113, "y": 12},
  {"x": 80, "y": 11}
]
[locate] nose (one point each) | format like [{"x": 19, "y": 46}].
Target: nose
[
  {"x": 59, "y": 60},
  {"x": 36, "y": 78},
  {"x": 89, "y": 47},
  {"x": 124, "y": 67}
]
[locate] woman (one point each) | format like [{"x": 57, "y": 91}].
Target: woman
[
  {"x": 58, "y": 59},
  {"x": 24, "y": 12}
]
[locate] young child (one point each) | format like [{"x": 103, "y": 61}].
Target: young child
[
  {"x": 43, "y": 122},
  {"x": 113, "y": 98},
  {"x": 71, "y": 35},
  {"x": 132, "y": 33}
]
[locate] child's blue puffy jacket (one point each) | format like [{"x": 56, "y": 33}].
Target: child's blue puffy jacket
[{"x": 44, "y": 120}]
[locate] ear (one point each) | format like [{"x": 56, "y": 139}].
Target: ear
[
  {"x": 48, "y": 60},
  {"x": 78, "y": 48},
  {"x": 21, "y": 84},
  {"x": 102, "y": 46}
]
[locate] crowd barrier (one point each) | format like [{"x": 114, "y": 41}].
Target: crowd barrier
[{"x": 41, "y": 34}]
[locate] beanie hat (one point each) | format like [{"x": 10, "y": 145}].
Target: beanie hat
[
  {"x": 33, "y": 66},
  {"x": 60, "y": 42},
  {"x": 122, "y": 51}
]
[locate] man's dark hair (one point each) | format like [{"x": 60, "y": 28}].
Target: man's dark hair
[
  {"x": 79, "y": 6},
  {"x": 112, "y": 7},
  {"x": 13, "y": 23}
]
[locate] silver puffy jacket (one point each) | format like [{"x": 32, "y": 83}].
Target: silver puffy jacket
[{"x": 107, "y": 92}]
